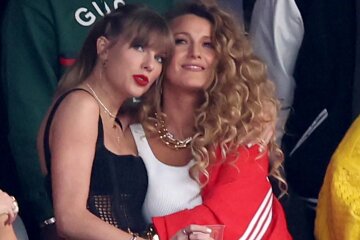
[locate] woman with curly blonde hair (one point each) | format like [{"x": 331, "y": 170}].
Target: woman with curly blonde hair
[{"x": 209, "y": 127}]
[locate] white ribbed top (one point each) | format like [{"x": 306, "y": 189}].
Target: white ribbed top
[{"x": 170, "y": 188}]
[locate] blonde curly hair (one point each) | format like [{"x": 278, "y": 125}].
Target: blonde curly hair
[{"x": 237, "y": 106}]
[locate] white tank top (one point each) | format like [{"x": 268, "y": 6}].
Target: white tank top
[{"x": 170, "y": 188}]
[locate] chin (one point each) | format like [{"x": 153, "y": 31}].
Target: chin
[
  {"x": 199, "y": 87},
  {"x": 138, "y": 94}
]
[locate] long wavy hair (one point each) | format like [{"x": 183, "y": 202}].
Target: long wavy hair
[
  {"x": 136, "y": 24},
  {"x": 238, "y": 105}
]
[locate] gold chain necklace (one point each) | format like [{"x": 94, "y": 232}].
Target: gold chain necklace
[
  {"x": 107, "y": 111},
  {"x": 168, "y": 138}
]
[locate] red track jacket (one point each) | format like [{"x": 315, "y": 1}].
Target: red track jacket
[{"x": 239, "y": 196}]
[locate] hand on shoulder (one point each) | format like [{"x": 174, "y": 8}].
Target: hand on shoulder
[{"x": 8, "y": 207}]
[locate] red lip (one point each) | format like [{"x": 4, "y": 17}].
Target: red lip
[{"x": 141, "y": 80}]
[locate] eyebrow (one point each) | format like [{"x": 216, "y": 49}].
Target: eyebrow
[
  {"x": 188, "y": 34},
  {"x": 185, "y": 33}
]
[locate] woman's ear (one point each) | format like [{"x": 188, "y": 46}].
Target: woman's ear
[{"x": 102, "y": 45}]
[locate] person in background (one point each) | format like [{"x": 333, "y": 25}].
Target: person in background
[
  {"x": 338, "y": 211},
  {"x": 204, "y": 130},
  {"x": 8, "y": 179},
  {"x": 40, "y": 40},
  {"x": 8, "y": 211},
  {"x": 276, "y": 32},
  {"x": 324, "y": 78}
]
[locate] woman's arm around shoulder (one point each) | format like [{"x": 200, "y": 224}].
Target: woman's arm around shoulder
[{"x": 240, "y": 197}]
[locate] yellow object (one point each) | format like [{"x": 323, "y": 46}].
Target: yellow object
[{"x": 338, "y": 212}]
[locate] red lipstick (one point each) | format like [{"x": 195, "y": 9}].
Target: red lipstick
[{"x": 141, "y": 80}]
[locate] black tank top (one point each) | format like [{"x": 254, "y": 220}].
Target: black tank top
[{"x": 118, "y": 182}]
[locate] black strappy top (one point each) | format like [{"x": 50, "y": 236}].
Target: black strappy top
[{"x": 118, "y": 182}]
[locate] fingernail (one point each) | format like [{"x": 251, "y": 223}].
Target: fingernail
[
  {"x": 208, "y": 230},
  {"x": 261, "y": 149}
]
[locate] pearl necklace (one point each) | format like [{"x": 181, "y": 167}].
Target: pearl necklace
[
  {"x": 106, "y": 110},
  {"x": 168, "y": 138}
]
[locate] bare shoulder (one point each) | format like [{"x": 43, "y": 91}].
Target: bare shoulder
[
  {"x": 78, "y": 111},
  {"x": 77, "y": 105},
  {"x": 81, "y": 101}
]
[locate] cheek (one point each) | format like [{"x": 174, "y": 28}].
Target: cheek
[
  {"x": 178, "y": 56},
  {"x": 115, "y": 62},
  {"x": 170, "y": 69},
  {"x": 212, "y": 63},
  {"x": 114, "y": 67},
  {"x": 155, "y": 75},
  {"x": 115, "y": 71},
  {"x": 211, "y": 59}
]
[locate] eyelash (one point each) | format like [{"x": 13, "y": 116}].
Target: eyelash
[
  {"x": 183, "y": 41},
  {"x": 180, "y": 41},
  {"x": 139, "y": 48},
  {"x": 160, "y": 59},
  {"x": 208, "y": 44}
]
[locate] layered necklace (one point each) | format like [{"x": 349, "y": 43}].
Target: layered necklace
[
  {"x": 168, "y": 138},
  {"x": 107, "y": 112}
]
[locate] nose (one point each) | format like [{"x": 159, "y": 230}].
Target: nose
[
  {"x": 149, "y": 67},
  {"x": 195, "y": 51},
  {"x": 148, "y": 64}
]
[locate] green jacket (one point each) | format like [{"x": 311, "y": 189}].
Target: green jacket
[{"x": 39, "y": 40}]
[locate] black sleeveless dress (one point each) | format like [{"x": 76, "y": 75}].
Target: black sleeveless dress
[{"x": 118, "y": 182}]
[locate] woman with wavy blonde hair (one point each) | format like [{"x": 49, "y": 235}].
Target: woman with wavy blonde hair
[{"x": 209, "y": 127}]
